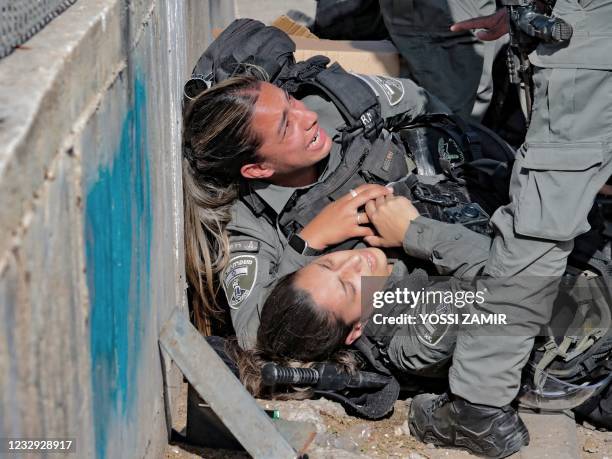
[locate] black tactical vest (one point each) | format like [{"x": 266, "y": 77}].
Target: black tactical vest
[{"x": 370, "y": 154}]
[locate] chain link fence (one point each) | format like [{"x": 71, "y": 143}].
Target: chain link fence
[{"x": 21, "y": 19}]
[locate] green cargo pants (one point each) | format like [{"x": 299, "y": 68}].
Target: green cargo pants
[{"x": 564, "y": 162}]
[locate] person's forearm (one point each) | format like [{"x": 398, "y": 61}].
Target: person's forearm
[{"x": 453, "y": 248}]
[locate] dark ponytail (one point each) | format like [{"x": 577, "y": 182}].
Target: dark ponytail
[{"x": 294, "y": 331}]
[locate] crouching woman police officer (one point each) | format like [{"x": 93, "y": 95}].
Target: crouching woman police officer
[{"x": 271, "y": 180}]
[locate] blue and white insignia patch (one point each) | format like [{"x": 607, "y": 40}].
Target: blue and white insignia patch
[{"x": 239, "y": 279}]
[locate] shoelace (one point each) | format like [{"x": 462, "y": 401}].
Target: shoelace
[{"x": 438, "y": 402}]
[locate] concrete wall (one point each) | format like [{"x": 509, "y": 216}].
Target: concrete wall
[{"x": 91, "y": 260}]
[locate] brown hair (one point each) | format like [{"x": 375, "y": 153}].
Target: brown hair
[
  {"x": 217, "y": 142},
  {"x": 293, "y": 331}
]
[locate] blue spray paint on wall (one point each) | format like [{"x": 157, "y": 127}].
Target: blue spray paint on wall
[{"x": 118, "y": 231}]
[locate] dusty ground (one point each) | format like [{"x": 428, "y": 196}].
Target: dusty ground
[
  {"x": 594, "y": 444},
  {"x": 342, "y": 436}
]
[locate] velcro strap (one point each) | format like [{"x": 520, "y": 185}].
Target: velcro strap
[
  {"x": 291, "y": 78},
  {"x": 371, "y": 352},
  {"x": 353, "y": 97}
]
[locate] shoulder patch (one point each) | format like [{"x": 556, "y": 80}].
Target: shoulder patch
[
  {"x": 391, "y": 87},
  {"x": 239, "y": 279},
  {"x": 244, "y": 246},
  {"x": 449, "y": 150},
  {"x": 428, "y": 333}
]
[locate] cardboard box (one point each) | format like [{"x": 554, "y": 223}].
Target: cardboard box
[
  {"x": 288, "y": 25},
  {"x": 369, "y": 57}
]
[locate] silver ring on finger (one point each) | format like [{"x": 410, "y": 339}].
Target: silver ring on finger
[{"x": 353, "y": 193}]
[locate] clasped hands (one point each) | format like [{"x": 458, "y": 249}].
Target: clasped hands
[{"x": 369, "y": 211}]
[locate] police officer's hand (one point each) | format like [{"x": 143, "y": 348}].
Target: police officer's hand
[
  {"x": 342, "y": 219},
  {"x": 495, "y": 25},
  {"x": 391, "y": 217}
]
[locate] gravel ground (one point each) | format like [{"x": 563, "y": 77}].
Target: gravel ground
[
  {"x": 594, "y": 444},
  {"x": 342, "y": 436}
]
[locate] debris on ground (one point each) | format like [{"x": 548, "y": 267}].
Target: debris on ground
[{"x": 340, "y": 436}]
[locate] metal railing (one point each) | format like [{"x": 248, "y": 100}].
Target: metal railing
[{"x": 22, "y": 19}]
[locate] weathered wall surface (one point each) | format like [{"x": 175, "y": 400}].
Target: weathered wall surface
[{"x": 91, "y": 220}]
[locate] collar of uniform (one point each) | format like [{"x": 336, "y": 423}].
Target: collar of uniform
[
  {"x": 277, "y": 196},
  {"x": 398, "y": 272},
  {"x": 333, "y": 162}
]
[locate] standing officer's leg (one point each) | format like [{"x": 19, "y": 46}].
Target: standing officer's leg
[
  {"x": 565, "y": 161},
  {"x": 567, "y": 158},
  {"x": 456, "y": 67}
]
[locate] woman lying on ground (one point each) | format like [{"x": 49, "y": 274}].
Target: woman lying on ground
[
  {"x": 317, "y": 313},
  {"x": 314, "y": 313}
]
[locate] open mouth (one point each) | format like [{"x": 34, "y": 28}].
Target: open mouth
[{"x": 314, "y": 143}]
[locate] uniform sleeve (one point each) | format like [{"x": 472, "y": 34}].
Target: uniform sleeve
[
  {"x": 453, "y": 248},
  {"x": 408, "y": 354},
  {"x": 402, "y": 100},
  {"x": 255, "y": 265}
]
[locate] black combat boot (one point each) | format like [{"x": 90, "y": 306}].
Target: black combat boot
[{"x": 485, "y": 430}]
